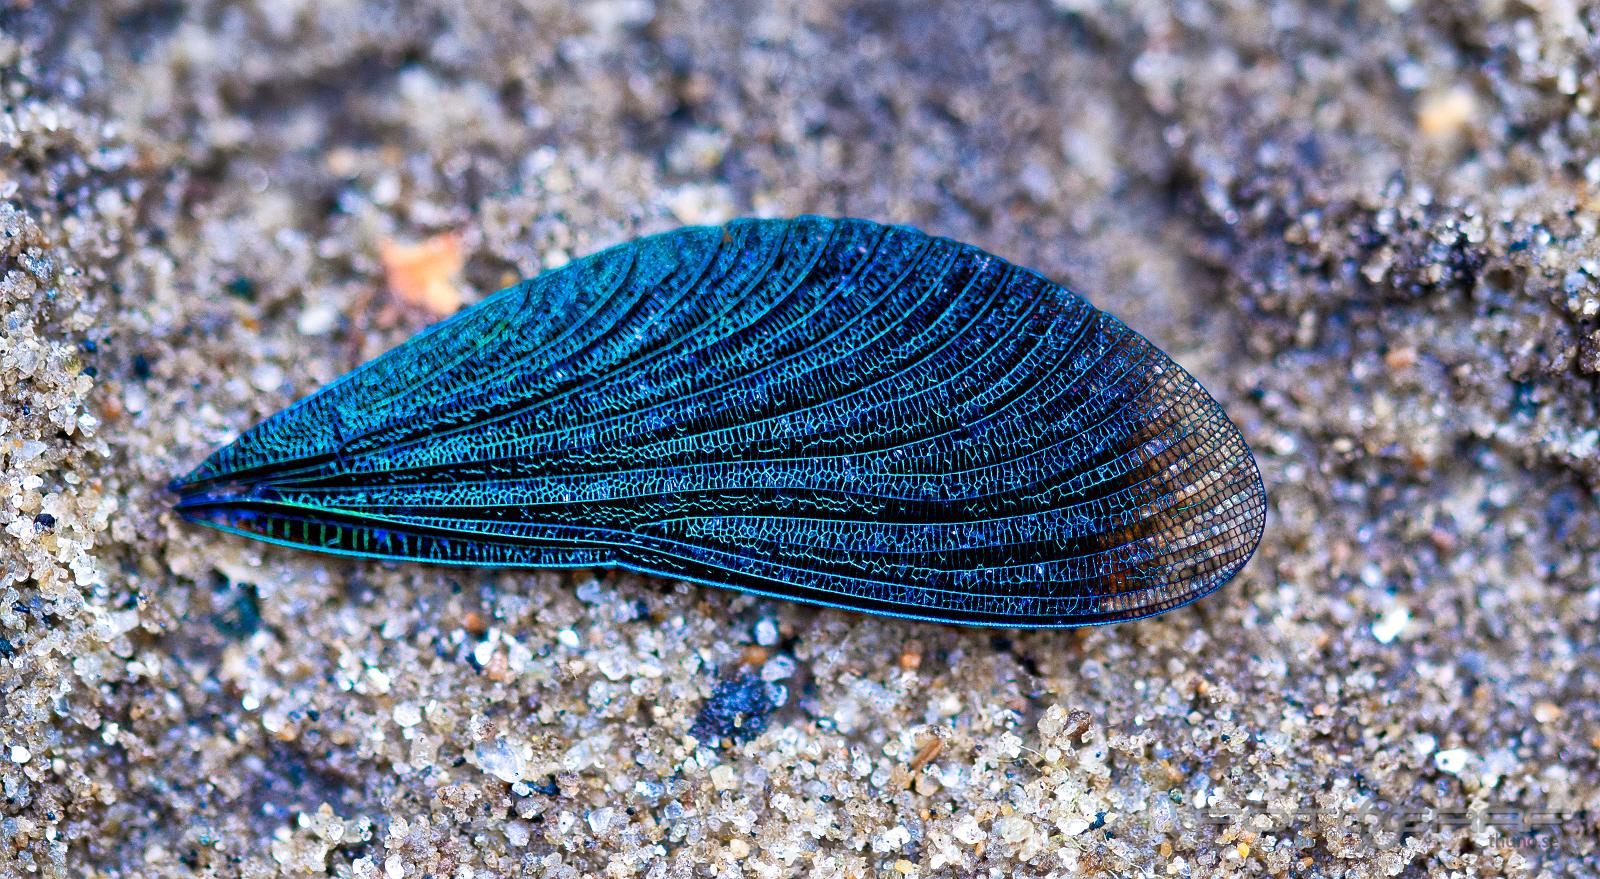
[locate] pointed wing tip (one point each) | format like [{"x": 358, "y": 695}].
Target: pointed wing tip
[
  {"x": 193, "y": 483},
  {"x": 202, "y": 474},
  {"x": 187, "y": 485}
]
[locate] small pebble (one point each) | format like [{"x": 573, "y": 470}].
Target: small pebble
[
  {"x": 407, "y": 714},
  {"x": 1452, "y": 760},
  {"x": 1447, "y": 112},
  {"x": 1391, "y": 624}
]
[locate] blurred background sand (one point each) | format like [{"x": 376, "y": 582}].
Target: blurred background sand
[{"x": 1368, "y": 227}]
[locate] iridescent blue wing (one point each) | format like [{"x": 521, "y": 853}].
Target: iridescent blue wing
[{"x": 832, "y": 411}]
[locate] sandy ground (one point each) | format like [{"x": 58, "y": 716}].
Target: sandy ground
[{"x": 1368, "y": 227}]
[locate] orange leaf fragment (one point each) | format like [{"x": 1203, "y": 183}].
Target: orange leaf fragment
[{"x": 423, "y": 274}]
